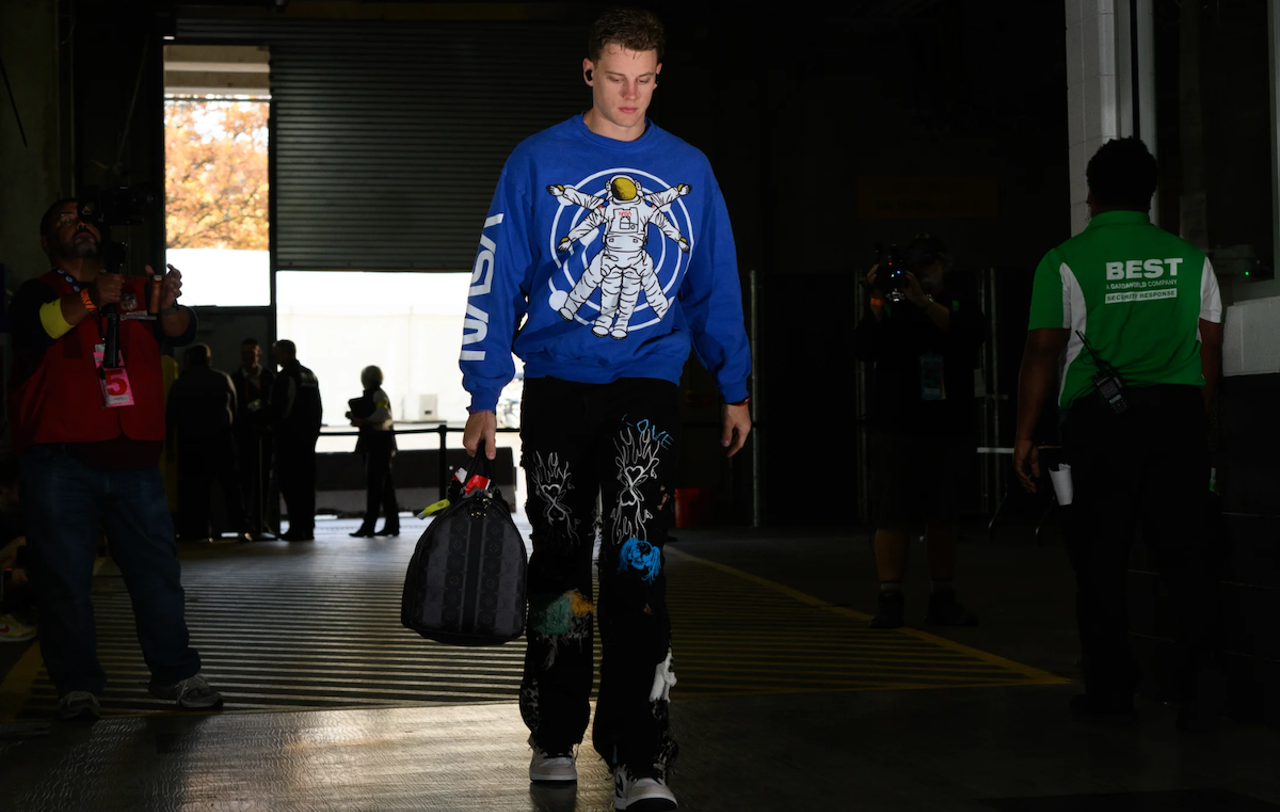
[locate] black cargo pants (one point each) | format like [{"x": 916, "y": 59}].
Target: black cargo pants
[
  {"x": 617, "y": 443},
  {"x": 1148, "y": 467}
]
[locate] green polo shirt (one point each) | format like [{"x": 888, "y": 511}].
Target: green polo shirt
[{"x": 1136, "y": 292}]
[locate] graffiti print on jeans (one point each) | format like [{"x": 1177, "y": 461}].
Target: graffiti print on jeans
[
  {"x": 637, "y": 463},
  {"x": 552, "y": 482}
]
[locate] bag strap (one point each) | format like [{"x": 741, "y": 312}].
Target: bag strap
[{"x": 480, "y": 463}]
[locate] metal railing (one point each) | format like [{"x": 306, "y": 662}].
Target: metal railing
[{"x": 444, "y": 429}]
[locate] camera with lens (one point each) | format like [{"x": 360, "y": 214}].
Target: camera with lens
[
  {"x": 118, "y": 205},
  {"x": 891, "y": 278},
  {"x": 104, "y": 207}
]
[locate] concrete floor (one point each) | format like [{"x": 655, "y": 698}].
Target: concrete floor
[{"x": 924, "y": 747}]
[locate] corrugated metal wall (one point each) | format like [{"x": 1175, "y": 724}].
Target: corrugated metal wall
[{"x": 390, "y": 136}]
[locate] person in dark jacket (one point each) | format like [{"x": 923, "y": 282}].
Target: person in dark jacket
[
  {"x": 296, "y": 413},
  {"x": 253, "y": 382},
  {"x": 199, "y": 414},
  {"x": 922, "y": 349},
  {"x": 371, "y": 412}
]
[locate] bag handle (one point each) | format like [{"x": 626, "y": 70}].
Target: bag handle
[{"x": 480, "y": 463}]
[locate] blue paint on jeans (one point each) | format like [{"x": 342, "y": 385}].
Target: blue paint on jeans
[{"x": 642, "y": 557}]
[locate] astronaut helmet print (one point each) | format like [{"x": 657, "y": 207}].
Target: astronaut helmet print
[{"x": 623, "y": 188}]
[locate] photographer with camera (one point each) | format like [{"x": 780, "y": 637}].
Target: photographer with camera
[
  {"x": 922, "y": 340},
  {"x": 90, "y": 430},
  {"x": 1138, "y": 314}
]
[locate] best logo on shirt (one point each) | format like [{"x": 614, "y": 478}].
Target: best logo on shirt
[{"x": 1142, "y": 268}]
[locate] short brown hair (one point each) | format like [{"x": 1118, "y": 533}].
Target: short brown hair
[{"x": 635, "y": 29}]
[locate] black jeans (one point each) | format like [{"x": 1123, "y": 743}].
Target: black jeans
[
  {"x": 296, "y": 467},
  {"x": 380, "y": 489},
  {"x": 619, "y": 443},
  {"x": 1147, "y": 467}
]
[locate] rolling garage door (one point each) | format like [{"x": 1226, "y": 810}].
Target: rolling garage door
[{"x": 388, "y": 137}]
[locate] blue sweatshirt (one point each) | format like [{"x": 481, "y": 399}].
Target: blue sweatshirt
[{"x": 620, "y": 255}]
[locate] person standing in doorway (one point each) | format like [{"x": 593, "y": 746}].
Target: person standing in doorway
[
  {"x": 1131, "y": 317},
  {"x": 371, "y": 413},
  {"x": 253, "y": 384},
  {"x": 297, "y": 412},
  {"x": 610, "y": 238},
  {"x": 199, "y": 414}
]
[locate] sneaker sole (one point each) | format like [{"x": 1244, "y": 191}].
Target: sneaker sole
[
  {"x": 552, "y": 779},
  {"x": 201, "y": 705},
  {"x": 645, "y": 805},
  {"x": 171, "y": 695},
  {"x": 83, "y": 714}
]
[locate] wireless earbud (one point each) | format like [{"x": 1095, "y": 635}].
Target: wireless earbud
[{"x": 588, "y": 74}]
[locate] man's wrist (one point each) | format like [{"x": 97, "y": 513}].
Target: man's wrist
[{"x": 171, "y": 311}]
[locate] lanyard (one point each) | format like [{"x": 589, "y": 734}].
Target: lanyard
[
  {"x": 71, "y": 280},
  {"x": 75, "y": 285}
]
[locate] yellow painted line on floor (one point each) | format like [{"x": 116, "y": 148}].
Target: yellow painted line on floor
[
  {"x": 717, "y": 691},
  {"x": 1035, "y": 676},
  {"x": 970, "y": 669}
]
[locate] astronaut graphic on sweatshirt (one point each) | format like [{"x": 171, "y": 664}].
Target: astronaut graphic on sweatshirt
[{"x": 623, "y": 267}]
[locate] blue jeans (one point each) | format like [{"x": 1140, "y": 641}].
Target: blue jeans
[{"x": 65, "y": 501}]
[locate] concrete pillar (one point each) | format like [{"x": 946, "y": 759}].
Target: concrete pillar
[
  {"x": 1272, "y": 286},
  {"x": 31, "y": 174},
  {"x": 1110, "y": 84}
]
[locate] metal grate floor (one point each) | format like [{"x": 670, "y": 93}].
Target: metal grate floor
[{"x": 317, "y": 626}]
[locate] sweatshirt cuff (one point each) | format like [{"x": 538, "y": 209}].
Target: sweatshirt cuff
[
  {"x": 736, "y": 393},
  {"x": 484, "y": 400}
]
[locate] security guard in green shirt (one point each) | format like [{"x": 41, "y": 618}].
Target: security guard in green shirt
[{"x": 1130, "y": 316}]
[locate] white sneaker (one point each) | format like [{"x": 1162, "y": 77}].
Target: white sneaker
[
  {"x": 78, "y": 705},
  {"x": 194, "y": 693},
  {"x": 640, "y": 794},
  {"x": 553, "y": 767},
  {"x": 13, "y": 630}
]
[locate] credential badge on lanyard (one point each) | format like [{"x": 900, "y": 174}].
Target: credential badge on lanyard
[
  {"x": 933, "y": 385},
  {"x": 116, "y": 390}
]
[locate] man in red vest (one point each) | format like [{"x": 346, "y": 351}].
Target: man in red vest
[{"x": 90, "y": 433}]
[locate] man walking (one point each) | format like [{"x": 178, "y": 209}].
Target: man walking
[
  {"x": 612, "y": 237},
  {"x": 1138, "y": 314}
]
